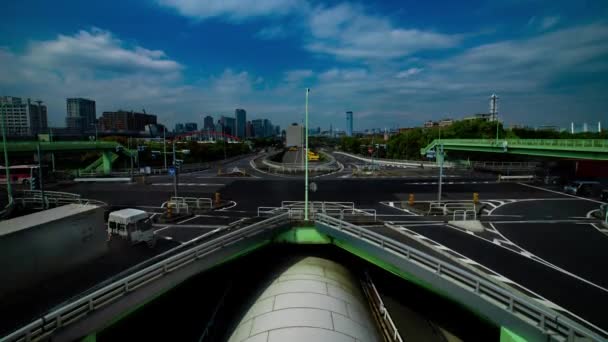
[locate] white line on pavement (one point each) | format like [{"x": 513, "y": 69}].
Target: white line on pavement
[
  {"x": 561, "y": 193},
  {"x": 188, "y": 219}
]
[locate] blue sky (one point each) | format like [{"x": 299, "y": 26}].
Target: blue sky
[{"x": 393, "y": 63}]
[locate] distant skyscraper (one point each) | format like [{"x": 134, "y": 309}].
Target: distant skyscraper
[
  {"x": 190, "y": 127},
  {"x": 81, "y": 113},
  {"x": 38, "y": 117},
  {"x": 268, "y": 128},
  {"x": 241, "y": 121},
  {"x": 229, "y": 125},
  {"x": 249, "y": 130},
  {"x": 349, "y": 124},
  {"x": 208, "y": 123},
  {"x": 258, "y": 128},
  {"x": 179, "y": 128},
  {"x": 123, "y": 120}
]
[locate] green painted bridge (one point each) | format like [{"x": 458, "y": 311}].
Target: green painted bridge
[
  {"x": 592, "y": 149},
  {"x": 109, "y": 150}
]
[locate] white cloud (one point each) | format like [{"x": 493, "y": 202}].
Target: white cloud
[
  {"x": 347, "y": 31},
  {"x": 232, "y": 9},
  {"x": 408, "y": 73},
  {"x": 271, "y": 32},
  {"x": 100, "y": 50}
]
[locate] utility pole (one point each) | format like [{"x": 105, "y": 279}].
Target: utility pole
[
  {"x": 441, "y": 157},
  {"x": 52, "y": 153},
  {"x": 9, "y": 189},
  {"x": 175, "y": 180},
  {"x": 306, "y": 160},
  {"x": 40, "y": 177},
  {"x": 165, "y": 145}
]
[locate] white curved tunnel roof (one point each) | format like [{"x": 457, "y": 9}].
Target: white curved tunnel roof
[{"x": 314, "y": 300}]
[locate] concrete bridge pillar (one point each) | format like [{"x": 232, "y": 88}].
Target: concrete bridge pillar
[{"x": 106, "y": 158}]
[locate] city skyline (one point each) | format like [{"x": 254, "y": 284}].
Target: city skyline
[{"x": 391, "y": 64}]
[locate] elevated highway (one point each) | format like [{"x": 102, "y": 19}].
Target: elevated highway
[{"x": 590, "y": 149}]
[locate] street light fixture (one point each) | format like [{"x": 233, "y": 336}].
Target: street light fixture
[{"x": 306, "y": 160}]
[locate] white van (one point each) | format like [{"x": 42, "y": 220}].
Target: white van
[{"x": 133, "y": 225}]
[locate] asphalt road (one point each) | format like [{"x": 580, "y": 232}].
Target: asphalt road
[{"x": 540, "y": 239}]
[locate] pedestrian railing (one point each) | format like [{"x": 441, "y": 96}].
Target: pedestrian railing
[
  {"x": 70, "y": 313},
  {"x": 551, "y": 323},
  {"x": 472, "y": 214}
]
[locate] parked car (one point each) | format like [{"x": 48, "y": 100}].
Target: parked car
[{"x": 583, "y": 188}]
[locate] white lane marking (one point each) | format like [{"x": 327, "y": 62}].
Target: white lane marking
[
  {"x": 188, "y": 184},
  {"x": 400, "y": 209},
  {"x": 228, "y": 207},
  {"x": 511, "y": 201},
  {"x": 188, "y": 219},
  {"x": 540, "y": 260},
  {"x": 161, "y": 229},
  {"x": 590, "y": 213},
  {"x": 561, "y": 193}
]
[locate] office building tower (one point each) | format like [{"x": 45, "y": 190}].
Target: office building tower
[
  {"x": 241, "y": 121},
  {"x": 249, "y": 130},
  {"x": 258, "y": 128},
  {"x": 190, "y": 127},
  {"x": 229, "y": 125},
  {"x": 14, "y": 112},
  {"x": 123, "y": 120},
  {"x": 81, "y": 114},
  {"x": 208, "y": 124},
  {"x": 349, "y": 124}
]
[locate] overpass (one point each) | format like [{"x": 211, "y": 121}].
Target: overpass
[
  {"x": 109, "y": 150},
  {"x": 590, "y": 149}
]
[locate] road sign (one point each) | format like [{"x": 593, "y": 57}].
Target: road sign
[
  {"x": 430, "y": 154},
  {"x": 171, "y": 170}
]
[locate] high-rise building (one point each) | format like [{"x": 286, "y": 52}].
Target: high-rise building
[
  {"x": 123, "y": 120},
  {"x": 208, "y": 124},
  {"x": 229, "y": 125},
  {"x": 81, "y": 113},
  {"x": 268, "y": 128},
  {"x": 38, "y": 117},
  {"x": 349, "y": 124},
  {"x": 258, "y": 128},
  {"x": 295, "y": 133},
  {"x": 14, "y": 112},
  {"x": 241, "y": 121},
  {"x": 249, "y": 130},
  {"x": 179, "y": 128},
  {"x": 190, "y": 127}
]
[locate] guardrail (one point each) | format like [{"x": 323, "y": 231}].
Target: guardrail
[
  {"x": 45, "y": 327},
  {"x": 550, "y": 322},
  {"x": 372, "y": 293},
  {"x": 518, "y": 178},
  {"x": 465, "y": 214},
  {"x": 539, "y": 143}
]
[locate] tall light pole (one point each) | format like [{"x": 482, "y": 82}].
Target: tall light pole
[
  {"x": 165, "y": 145},
  {"x": 306, "y": 159},
  {"x": 441, "y": 157},
  {"x": 40, "y": 177},
  {"x": 9, "y": 189}
]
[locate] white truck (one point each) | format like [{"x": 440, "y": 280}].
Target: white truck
[{"x": 133, "y": 225}]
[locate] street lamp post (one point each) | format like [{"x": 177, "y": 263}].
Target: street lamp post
[
  {"x": 306, "y": 159},
  {"x": 441, "y": 157},
  {"x": 6, "y": 162},
  {"x": 40, "y": 177},
  {"x": 165, "y": 145}
]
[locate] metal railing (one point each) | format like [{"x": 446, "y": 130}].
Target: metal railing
[
  {"x": 372, "y": 293},
  {"x": 540, "y": 143},
  {"x": 464, "y": 214},
  {"x": 397, "y": 162},
  {"x": 45, "y": 327},
  {"x": 548, "y": 321}
]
